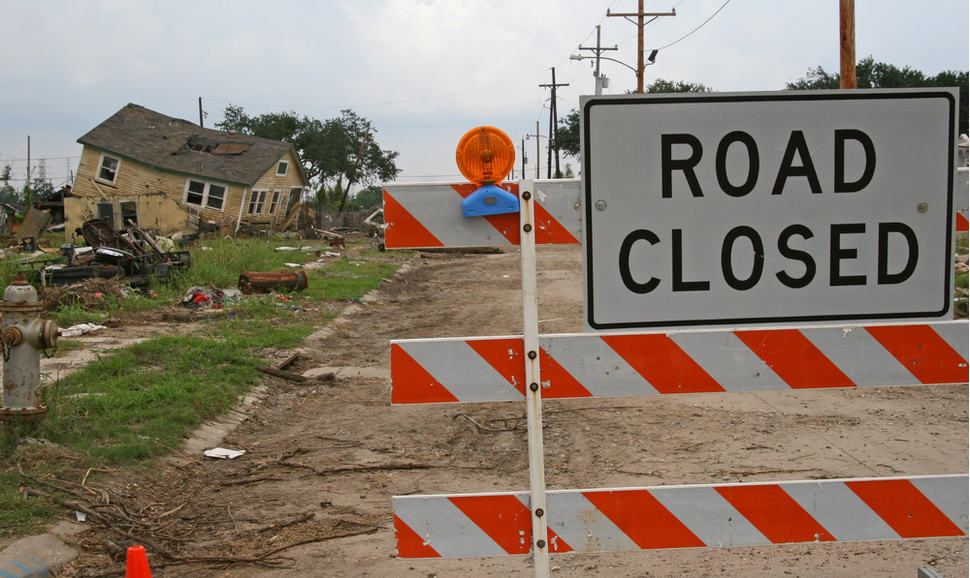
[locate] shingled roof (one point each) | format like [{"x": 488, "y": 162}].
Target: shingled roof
[{"x": 177, "y": 145}]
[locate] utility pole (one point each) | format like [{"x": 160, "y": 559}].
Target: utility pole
[
  {"x": 847, "y": 77},
  {"x": 537, "y": 150},
  {"x": 640, "y": 14},
  {"x": 201, "y": 114},
  {"x": 597, "y": 51},
  {"x": 553, "y": 121}
]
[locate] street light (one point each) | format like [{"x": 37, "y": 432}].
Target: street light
[
  {"x": 652, "y": 59},
  {"x": 537, "y": 135}
]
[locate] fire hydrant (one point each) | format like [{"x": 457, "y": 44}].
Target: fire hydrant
[{"x": 23, "y": 334}]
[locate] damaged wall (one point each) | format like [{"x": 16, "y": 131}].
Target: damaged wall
[
  {"x": 274, "y": 194},
  {"x": 158, "y": 194},
  {"x": 154, "y": 211},
  {"x": 263, "y": 205}
]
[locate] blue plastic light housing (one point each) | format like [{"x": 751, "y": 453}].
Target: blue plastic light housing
[{"x": 489, "y": 200}]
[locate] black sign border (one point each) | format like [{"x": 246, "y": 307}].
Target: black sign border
[{"x": 588, "y": 312}]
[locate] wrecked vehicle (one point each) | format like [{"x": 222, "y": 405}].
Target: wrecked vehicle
[{"x": 136, "y": 256}]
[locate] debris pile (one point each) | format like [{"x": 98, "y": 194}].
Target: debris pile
[
  {"x": 88, "y": 294},
  {"x": 136, "y": 256}
]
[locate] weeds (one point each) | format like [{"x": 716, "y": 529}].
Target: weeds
[{"x": 141, "y": 401}]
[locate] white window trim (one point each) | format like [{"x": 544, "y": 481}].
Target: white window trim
[
  {"x": 97, "y": 169},
  {"x": 285, "y": 168},
  {"x": 274, "y": 202},
  {"x": 255, "y": 202},
  {"x": 205, "y": 195}
]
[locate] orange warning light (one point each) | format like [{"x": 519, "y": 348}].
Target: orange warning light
[{"x": 485, "y": 155}]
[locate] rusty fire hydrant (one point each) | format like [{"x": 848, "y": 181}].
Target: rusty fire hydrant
[{"x": 23, "y": 334}]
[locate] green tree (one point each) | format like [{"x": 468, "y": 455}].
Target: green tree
[
  {"x": 569, "y": 124},
  {"x": 872, "y": 74},
  {"x": 370, "y": 197},
  {"x": 665, "y": 86},
  {"x": 8, "y": 194},
  {"x": 28, "y": 195},
  {"x": 337, "y": 153},
  {"x": 42, "y": 188},
  {"x": 569, "y": 134}
]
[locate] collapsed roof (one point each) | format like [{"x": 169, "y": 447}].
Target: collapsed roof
[{"x": 177, "y": 145}]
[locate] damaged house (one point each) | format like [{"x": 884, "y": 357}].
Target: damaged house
[{"x": 168, "y": 175}]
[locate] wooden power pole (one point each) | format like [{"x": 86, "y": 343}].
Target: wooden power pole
[
  {"x": 598, "y": 50},
  {"x": 847, "y": 78},
  {"x": 553, "y": 128},
  {"x": 640, "y": 22}
]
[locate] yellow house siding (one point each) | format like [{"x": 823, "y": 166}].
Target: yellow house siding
[
  {"x": 271, "y": 182},
  {"x": 156, "y": 212},
  {"x": 135, "y": 180}
]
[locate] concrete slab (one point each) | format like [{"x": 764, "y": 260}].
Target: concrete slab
[
  {"x": 341, "y": 372},
  {"x": 35, "y": 557},
  {"x": 211, "y": 434}
]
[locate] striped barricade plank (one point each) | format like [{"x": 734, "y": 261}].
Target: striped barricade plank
[
  {"x": 691, "y": 361},
  {"x": 700, "y": 516},
  {"x": 429, "y": 215}
]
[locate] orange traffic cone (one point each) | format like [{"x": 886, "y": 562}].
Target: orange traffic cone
[{"x": 137, "y": 565}]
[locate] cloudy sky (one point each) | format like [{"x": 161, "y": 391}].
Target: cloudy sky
[{"x": 423, "y": 71}]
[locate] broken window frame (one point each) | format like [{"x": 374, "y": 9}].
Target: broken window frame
[
  {"x": 104, "y": 167},
  {"x": 210, "y": 196},
  {"x": 105, "y": 210},
  {"x": 291, "y": 200},
  {"x": 257, "y": 201},
  {"x": 216, "y": 197},
  {"x": 128, "y": 209},
  {"x": 275, "y": 202}
]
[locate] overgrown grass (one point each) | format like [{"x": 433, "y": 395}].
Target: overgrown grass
[{"x": 141, "y": 401}]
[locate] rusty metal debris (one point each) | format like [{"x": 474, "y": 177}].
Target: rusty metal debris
[
  {"x": 260, "y": 282},
  {"x": 135, "y": 256}
]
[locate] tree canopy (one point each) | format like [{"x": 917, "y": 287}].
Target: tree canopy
[
  {"x": 872, "y": 74},
  {"x": 663, "y": 86},
  {"x": 336, "y": 153},
  {"x": 8, "y": 194}
]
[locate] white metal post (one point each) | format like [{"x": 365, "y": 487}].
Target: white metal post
[{"x": 533, "y": 397}]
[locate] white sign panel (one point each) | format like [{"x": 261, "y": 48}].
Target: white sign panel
[{"x": 766, "y": 208}]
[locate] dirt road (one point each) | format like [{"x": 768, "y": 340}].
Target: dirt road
[{"x": 324, "y": 459}]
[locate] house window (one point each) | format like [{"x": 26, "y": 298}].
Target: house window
[
  {"x": 281, "y": 168},
  {"x": 108, "y": 169},
  {"x": 129, "y": 212},
  {"x": 106, "y": 212},
  {"x": 256, "y": 202},
  {"x": 203, "y": 194},
  {"x": 295, "y": 194},
  {"x": 217, "y": 196},
  {"x": 276, "y": 200}
]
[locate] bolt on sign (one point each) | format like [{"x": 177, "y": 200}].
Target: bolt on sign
[{"x": 765, "y": 208}]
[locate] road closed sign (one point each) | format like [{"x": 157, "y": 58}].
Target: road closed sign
[{"x": 710, "y": 210}]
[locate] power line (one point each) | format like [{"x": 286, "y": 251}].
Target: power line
[
  {"x": 698, "y": 28},
  {"x": 510, "y": 81},
  {"x": 3, "y": 160}
]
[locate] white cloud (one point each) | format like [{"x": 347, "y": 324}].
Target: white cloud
[{"x": 424, "y": 71}]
